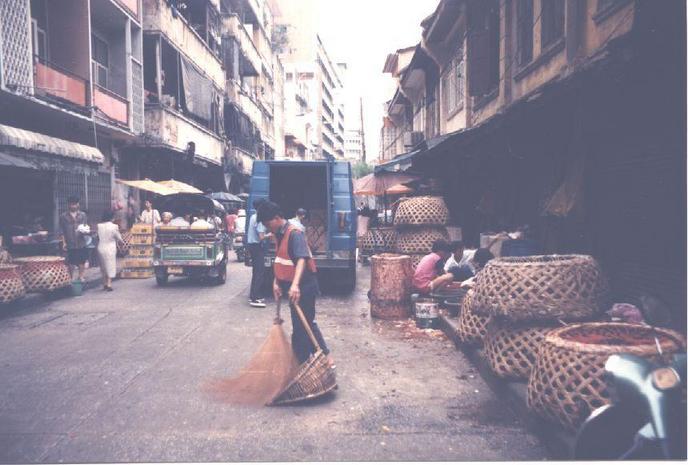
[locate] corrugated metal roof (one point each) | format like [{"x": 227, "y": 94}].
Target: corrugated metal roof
[{"x": 34, "y": 141}]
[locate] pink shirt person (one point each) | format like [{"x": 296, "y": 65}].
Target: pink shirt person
[{"x": 425, "y": 272}]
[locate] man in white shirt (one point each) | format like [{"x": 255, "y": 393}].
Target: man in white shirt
[
  {"x": 460, "y": 257},
  {"x": 297, "y": 221},
  {"x": 149, "y": 215}
]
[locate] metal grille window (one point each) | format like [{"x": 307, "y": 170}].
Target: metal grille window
[
  {"x": 552, "y": 21},
  {"x": 453, "y": 84},
  {"x": 100, "y": 61}
]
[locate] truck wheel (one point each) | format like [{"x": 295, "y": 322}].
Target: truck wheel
[
  {"x": 221, "y": 273},
  {"x": 161, "y": 277}
]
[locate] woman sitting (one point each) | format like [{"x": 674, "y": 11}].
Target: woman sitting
[{"x": 429, "y": 275}]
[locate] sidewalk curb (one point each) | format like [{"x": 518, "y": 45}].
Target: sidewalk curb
[
  {"x": 558, "y": 442},
  {"x": 33, "y": 300}
]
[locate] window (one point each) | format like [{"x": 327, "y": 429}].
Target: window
[
  {"x": 100, "y": 61},
  {"x": 39, "y": 25},
  {"x": 552, "y": 21},
  {"x": 453, "y": 84},
  {"x": 524, "y": 16}
]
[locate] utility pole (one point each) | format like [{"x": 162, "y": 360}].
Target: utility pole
[{"x": 363, "y": 149}]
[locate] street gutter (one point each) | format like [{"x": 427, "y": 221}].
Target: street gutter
[{"x": 559, "y": 443}]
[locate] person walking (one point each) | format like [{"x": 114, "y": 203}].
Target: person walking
[
  {"x": 296, "y": 277},
  {"x": 255, "y": 238},
  {"x": 230, "y": 222},
  {"x": 73, "y": 224},
  {"x": 298, "y": 220},
  {"x": 108, "y": 238}
]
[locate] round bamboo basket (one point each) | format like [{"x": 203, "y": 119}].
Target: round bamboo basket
[
  {"x": 415, "y": 259},
  {"x": 11, "y": 284},
  {"x": 43, "y": 273},
  {"x": 378, "y": 240},
  {"x": 541, "y": 287},
  {"x": 390, "y": 286},
  {"x": 567, "y": 383},
  {"x": 511, "y": 348},
  {"x": 123, "y": 248},
  {"x": 472, "y": 328},
  {"x": 419, "y": 240},
  {"x": 423, "y": 210}
]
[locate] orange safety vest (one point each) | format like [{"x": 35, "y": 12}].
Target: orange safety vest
[{"x": 284, "y": 267}]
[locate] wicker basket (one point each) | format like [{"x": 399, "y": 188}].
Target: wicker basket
[
  {"x": 541, "y": 287},
  {"x": 567, "y": 382},
  {"x": 419, "y": 240},
  {"x": 11, "y": 284},
  {"x": 511, "y": 348},
  {"x": 472, "y": 328},
  {"x": 415, "y": 259},
  {"x": 43, "y": 274},
  {"x": 378, "y": 240},
  {"x": 123, "y": 248},
  {"x": 423, "y": 210}
]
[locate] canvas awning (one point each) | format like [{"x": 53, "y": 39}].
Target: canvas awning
[
  {"x": 378, "y": 183},
  {"x": 180, "y": 187},
  {"x": 37, "y": 142},
  {"x": 148, "y": 186}
]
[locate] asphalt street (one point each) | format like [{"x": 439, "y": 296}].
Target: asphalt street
[{"x": 112, "y": 377}]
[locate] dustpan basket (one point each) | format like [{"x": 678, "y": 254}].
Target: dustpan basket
[{"x": 315, "y": 376}]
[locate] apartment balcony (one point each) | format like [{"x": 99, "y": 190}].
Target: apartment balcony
[
  {"x": 168, "y": 128},
  {"x": 158, "y": 17},
  {"x": 55, "y": 83},
  {"x": 111, "y": 105},
  {"x": 251, "y": 58}
]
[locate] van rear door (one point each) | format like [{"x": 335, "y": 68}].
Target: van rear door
[{"x": 342, "y": 225}]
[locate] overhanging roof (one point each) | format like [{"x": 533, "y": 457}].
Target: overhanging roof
[{"x": 37, "y": 142}]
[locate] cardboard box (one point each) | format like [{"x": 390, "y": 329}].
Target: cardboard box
[
  {"x": 141, "y": 239},
  {"x": 136, "y": 251}
]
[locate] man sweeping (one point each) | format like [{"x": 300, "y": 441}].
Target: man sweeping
[{"x": 295, "y": 275}]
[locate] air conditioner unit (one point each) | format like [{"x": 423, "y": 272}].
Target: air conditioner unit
[{"x": 413, "y": 138}]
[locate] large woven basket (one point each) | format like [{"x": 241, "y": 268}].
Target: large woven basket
[
  {"x": 11, "y": 284},
  {"x": 123, "y": 247},
  {"x": 567, "y": 382},
  {"x": 541, "y": 287},
  {"x": 472, "y": 328},
  {"x": 378, "y": 240},
  {"x": 424, "y": 210},
  {"x": 390, "y": 286},
  {"x": 511, "y": 348},
  {"x": 419, "y": 240},
  {"x": 43, "y": 274}
]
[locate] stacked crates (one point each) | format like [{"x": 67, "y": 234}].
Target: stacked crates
[{"x": 139, "y": 262}]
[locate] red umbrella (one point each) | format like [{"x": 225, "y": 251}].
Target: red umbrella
[{"x": 377, "y": 184}]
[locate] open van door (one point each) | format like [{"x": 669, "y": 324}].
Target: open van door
[{"x": 342, "y": 220}]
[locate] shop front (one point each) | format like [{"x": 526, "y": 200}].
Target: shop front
[{"x": 37, "y": 175}]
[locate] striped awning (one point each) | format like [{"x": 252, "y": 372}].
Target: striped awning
[{"x": 37, "y": 142}]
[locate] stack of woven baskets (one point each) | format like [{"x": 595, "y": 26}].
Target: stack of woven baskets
[
  {"x": 138, "y": 251},
  {"x": 377, "y": 240},
  {"x": 526, "y": 297},
  {"x": 420, "y": 221}
]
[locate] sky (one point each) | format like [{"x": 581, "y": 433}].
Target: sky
[{"x": 362, "y": 33}]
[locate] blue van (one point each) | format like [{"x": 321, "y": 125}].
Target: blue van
[{"x": 325, "y": 189}]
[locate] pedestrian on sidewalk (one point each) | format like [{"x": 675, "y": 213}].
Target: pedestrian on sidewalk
[
  {"x": 230, "y": 222},
  {"x": 108, "y": 238},
  {"x": 296, "y": 277},
  {"x": 255, "y": 238},
  {"x": 298, "y": 219},
  {"x": 74, "y": 226}
]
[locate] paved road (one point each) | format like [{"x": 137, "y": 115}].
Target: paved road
[{"x": 110, "y": 377}]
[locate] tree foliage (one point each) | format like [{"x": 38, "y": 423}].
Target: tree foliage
[{"x": 361, "y": 169}]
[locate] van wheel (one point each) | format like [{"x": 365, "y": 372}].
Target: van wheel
[
  {"x": 221, "y": 273},
  {"x": 161, "y": 278}
]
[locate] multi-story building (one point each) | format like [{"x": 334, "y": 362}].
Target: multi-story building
[
  {"x": 254, "y": 94},
  {"x": 353, "y": 145},
  {"x": 564, "y": 115},
  {"x": 183, "y": 86},
  {"x": 71, "y": 99},
  {"x": 302, "y": 50}
]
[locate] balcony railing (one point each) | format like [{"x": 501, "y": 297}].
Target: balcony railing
[
  {"x": 111, "y": 105},
  {"x": 232, "y": 26},
  {"x": 55, "y": 82},
  {"x": 131, "y": 5}
]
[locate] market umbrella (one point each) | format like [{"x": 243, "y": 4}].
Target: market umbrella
[
  {"x": 180, "y": 187},
  {"x": 398, "y": 189},
  {"x": 377, "y": 184},
  {"x": 224, "y": 197},
  {"x": 149, "y": 186}
]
